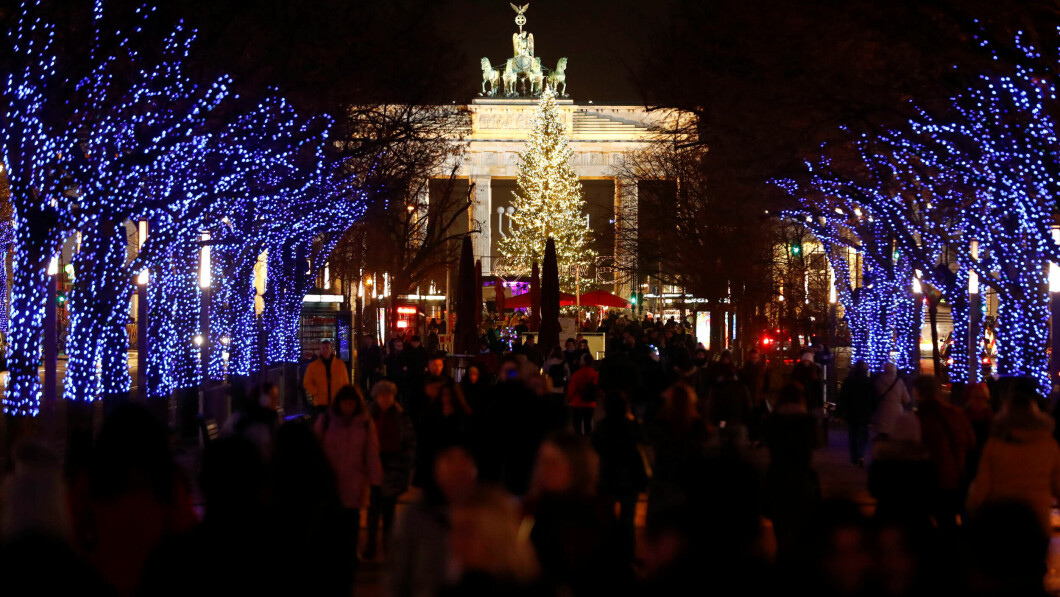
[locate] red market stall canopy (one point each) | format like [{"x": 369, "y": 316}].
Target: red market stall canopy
[
  {"x": 602, "y": 298},
  {"x": 523, "y": 301}
]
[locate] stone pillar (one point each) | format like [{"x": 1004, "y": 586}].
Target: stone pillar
[
  {"x": 480, "y": 220},
  {"x": 626, "y": 273}
]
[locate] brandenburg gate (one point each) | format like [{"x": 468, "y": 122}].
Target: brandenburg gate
[{"x": 500, "y": 125}]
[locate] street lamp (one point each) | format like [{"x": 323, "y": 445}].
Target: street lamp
[
  {"x": 202, "y": 340},
  {"x": 918, "y": 300},
  {"x": 141, "y": 315},
  {"x": 225, "y": 342},
  {"x": 141, "y": 238},
  {"x": 830, "y": 368},
  {"x": 205, "y": 283},
  {"x": 205, "y": 276},
  {"x": 1054, "y": 315},
  {"x": 51, "y": 348},
  {"x": 974, "y": 315}
]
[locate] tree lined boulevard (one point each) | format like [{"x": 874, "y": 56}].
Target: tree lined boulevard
[{"x": 292, "y": 303}]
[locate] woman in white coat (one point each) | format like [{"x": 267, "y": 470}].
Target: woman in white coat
[{"x": 892, "y": 400}]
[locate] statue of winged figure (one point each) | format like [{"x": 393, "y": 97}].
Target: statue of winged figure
[{"x": 523, "y": 44}]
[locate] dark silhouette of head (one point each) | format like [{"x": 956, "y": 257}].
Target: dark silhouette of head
[
  {"x": 131, "y": 453},
  {"x": 1007, "y": 550}
]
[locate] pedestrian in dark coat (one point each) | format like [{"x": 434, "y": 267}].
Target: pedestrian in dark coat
[
  {"x": 729, "y": 409},
  {"x": 752, "y": 375},
  {"x": 808, "y": 376},
  {"x": 397, "y": 369},
  {"x": 446, "y": 422},
  {"x": 792, "y": 487},
  {"x": 855, "y": 407},
  {"x": 623, "y": 473},
  {"x": 574, "y": 531},
  {"x": 977, "y": 408},
  {"x": 948, "y": 437},
  {"x": 397, "y": 452},
  {"x": 678, "y": 437},
  {"x": 369, "y": 363}
]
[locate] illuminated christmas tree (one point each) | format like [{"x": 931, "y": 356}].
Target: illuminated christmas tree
[{"x": 549, "y": 201}]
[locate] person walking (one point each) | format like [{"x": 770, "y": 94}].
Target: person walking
[
  {"x": 555, "y": 367},
  {"x": 581, "y": 395},
  {"x": 369, "y": 363},
  {"x": 420, "y": 562},
  {"x": 324, "y": 377},
  {"x": 902, "y": 474},
  {"x": 446, "y": 421},
  {"x": 752, "y": 374},
  {"x": 624, "y": 472},
  {"x": 729, "y": 409},
  {"x": 948, "y": 437},
  {"x": 397, "y": 369},
  {"x": 892, "y": 399},
  {"x": 397, "y": 454},
  {"x": 573, "y": 529},
  {"x": 1020, "y": 462},
  {"x": 351, "y": 443},
  {"x": 792, "y": 486},
  {"x": 416, "y": 357},
  {"x": 807, "y": 375},
  {"x": 558, "y": 374},
  {"x": 977, "y": 409},
  {"x": 855, "y": 407},
  {"x": 571, "y": 354},
  {"x": 255, "y": 418}
]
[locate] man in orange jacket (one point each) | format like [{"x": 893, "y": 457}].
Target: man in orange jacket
[{"x": 324, "y": 377}]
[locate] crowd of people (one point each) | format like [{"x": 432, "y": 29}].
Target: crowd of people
[{"x": 531, "y": 473}]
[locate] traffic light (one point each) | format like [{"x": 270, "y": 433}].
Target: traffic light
[
  {"x": 60, "y": 298},
  {"x": 796, "y": 248},
  {"x": 633, "y": 299}
]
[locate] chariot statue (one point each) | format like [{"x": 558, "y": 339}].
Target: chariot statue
[{"x": 523, "y": 74}]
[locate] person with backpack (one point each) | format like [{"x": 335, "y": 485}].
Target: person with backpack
[
  {"x": 351, "y": 443},
  {"x": 581, "y": 395}
]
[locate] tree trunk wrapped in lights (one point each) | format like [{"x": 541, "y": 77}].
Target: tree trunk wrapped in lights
[
  {"x": 549, "y": 201},
  {"x": 98, "y": 341}
]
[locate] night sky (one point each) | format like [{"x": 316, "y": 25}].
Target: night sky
[{"x": 599, "y": 38}]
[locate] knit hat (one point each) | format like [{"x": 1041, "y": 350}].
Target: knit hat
[{"x": 808, "y": 356}]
